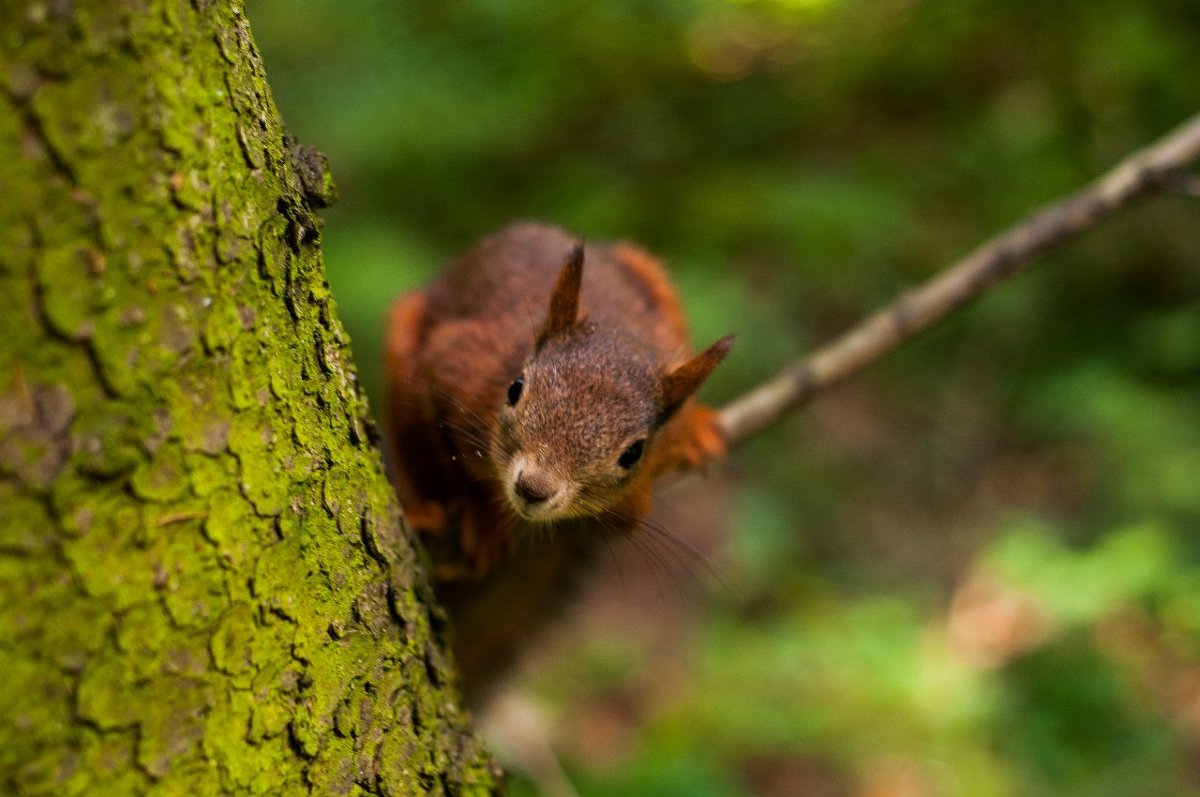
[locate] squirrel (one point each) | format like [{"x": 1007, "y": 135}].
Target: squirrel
[{"x": 537, "y": 384}]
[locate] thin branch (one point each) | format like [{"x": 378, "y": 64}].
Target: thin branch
[{"x": 1152, "y": 170}]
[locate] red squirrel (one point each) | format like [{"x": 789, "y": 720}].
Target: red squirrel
[{"x": 539, "y": 384}]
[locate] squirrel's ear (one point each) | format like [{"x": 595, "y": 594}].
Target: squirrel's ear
[
  {"x": 685, "y": 379},
  {"x": 564, "y": 303}
]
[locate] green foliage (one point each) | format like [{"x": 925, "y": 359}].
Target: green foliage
[{"x": 798, "y": 162}]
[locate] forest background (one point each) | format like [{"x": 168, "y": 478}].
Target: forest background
[{"x": 975, "y": 570}]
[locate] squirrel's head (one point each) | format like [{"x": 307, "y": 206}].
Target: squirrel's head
[{"x": 579, "y": 420}]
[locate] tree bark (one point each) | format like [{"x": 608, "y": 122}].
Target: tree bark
[{"x": 204, "y": 584}]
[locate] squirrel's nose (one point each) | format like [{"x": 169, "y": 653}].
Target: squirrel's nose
[{"x": 533, "y": 487}]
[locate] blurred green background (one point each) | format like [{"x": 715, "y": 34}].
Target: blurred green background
[{"x": 973, "y": 571}]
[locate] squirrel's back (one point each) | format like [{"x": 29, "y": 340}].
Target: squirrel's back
[{"x": 507, "y": 278}]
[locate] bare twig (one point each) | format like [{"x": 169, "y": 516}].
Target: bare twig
[{"x": 1150, "y": 171}]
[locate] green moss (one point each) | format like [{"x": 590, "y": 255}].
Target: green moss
[
  {"x": 209, "y": 475},
  {"x": 161, "y": 479},
  {"x": 226, "y": 740},
  {"x": 143, "y": 635},
  {"x": 34, "y": 698},
  {"x": 109, "y": 435},
  {"x": 272, "y": 708},
  {"x": 222, "y": 326},
  {"x": 173, "y": 727},
  {"x": 81, "y": 629},
  {"x": 336, "y": 769},
  {"x": 261, "y": 450},
  {"x": 70, "y": 294},
  {"x": 104, "y": 691},
  {"x": 27, "y": 532},
  {"x": 107, "y": 561},
  {"x": 108, "y": 760},
  {"x": 191, "y": 576},
  {"x": 249, "y": 381},
  {"x": 233, "y": 644},
  {"x": 227, "y": 517}
]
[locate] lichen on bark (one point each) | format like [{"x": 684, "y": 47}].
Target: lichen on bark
[{"x": 204, "y": 584}]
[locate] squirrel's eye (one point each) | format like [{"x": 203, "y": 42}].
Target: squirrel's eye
[
  {"x": 631, "y": 455},
  {"x": 514, "y": 390}
]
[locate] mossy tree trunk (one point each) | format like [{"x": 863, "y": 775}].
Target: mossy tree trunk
[{"x": 204, "y": 586}]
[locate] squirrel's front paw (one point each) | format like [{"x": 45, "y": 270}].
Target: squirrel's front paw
[{"x": 705, "y": 442}]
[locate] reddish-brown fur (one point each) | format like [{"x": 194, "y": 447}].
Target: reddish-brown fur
[{"x": 620, "y": 364}]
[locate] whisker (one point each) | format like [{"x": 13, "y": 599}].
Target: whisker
[
  {"x": 659, "y": 564},
  {"x": 671, "y": 547},
  {"x": 607, "y": 541}
]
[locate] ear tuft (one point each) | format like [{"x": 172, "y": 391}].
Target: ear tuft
[
  {"x": 564, "y": 302},
  {"x": 685, "y": 379}
]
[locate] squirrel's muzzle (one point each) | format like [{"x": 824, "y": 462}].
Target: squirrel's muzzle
[
  {"x": 533, "y": 487},
  {"x": 535, "y": 493}
]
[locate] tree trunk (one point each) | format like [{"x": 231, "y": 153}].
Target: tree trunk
[{"x": 204, "y": 584}]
